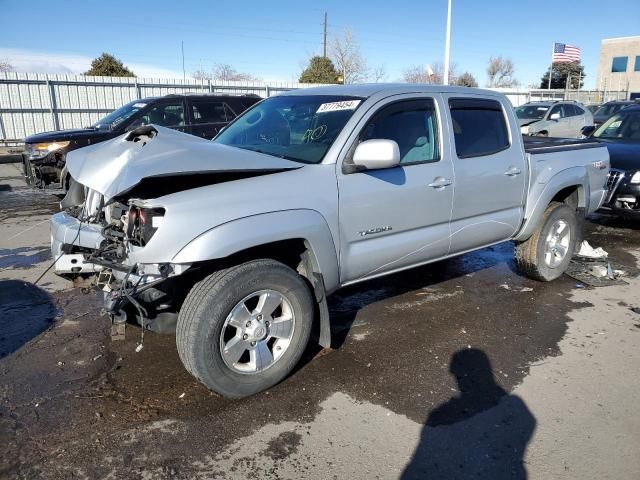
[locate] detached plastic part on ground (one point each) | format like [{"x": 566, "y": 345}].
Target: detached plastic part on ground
[{"x": 592, "y": 267}]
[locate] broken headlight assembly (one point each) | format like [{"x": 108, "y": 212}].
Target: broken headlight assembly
[
  {"x": 141, "y": 224},
  {"x": 36, "y": 151}
]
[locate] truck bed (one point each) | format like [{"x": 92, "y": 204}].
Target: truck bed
[{"x": 537, "y": 145}]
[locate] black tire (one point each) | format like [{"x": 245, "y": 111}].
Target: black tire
[
  {"x": 530, "y": 254},
  {"x": 209, "y": 303}
]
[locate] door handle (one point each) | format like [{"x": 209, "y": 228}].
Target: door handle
[
  {"x": 440, "y": 182},
  {"x": 512, "y": 172}
]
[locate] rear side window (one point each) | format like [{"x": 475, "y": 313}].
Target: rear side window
[
  {"x": 208, "y": 111},
  {"x": 412, "y": 125},
  {"x": 479, "y": 127}
]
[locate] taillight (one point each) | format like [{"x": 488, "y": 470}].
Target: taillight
[{"x": 142, "y": 224}]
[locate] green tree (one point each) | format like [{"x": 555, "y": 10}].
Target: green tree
[
  {"x": 559, "y": 75},
  {"x": 108, "y": 66},
  {"x": 466, "y": 80},
  {"x": 319, "y": 70}
]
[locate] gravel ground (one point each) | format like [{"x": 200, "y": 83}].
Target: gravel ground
[{"x": 461, "y": 369}]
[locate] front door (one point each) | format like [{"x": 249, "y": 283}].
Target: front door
[
  {"x": 489, "y": 171},
  {"x": 397, "y": 217}
]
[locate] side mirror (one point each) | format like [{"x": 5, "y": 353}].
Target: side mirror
[
  {"x": 588, "y": 130},
  {"x": 554, "y": 116},
  {"x": 377, "y": 154}
]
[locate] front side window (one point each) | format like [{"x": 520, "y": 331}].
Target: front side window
[
  {"x": 412, "y": 125},
  {"x": 619, "y": 64},
  {"x": 559, "y": 109},
  {"x": 165, "y": 115},
  {"x": 207, "y": 111},
  {"x": 479, "y": 127},
  {"x": 296, "y": 127}
]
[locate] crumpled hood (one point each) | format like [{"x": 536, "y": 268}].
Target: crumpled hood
[
  {"x": 117, "y": 165},
  {"x": 523, "y": 122}
]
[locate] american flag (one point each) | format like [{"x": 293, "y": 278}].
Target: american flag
[{"x": 563, "y": 53}]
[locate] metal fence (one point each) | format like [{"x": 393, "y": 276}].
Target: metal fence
[
  {"x": 32, "y": 103},
  {"x": 586, "y": 97}
]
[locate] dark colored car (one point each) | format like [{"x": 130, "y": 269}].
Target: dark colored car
[
  {"x": 201, "y": 115},
  {"x": 621, "y": 134},
  {"x": 607, "y": 109}
]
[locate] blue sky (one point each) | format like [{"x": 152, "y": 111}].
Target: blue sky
[{"x": 272, "y": 39}]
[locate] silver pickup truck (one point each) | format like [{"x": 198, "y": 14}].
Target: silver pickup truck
[{"x": 235, "y": 244}]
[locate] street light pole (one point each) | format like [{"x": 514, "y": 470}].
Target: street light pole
[{"x": 447, "y": 46}]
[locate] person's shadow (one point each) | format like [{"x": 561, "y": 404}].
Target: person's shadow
[{"x": 481, "y": 433}]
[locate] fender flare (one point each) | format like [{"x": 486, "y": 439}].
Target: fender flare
[
  {"x": 320, "y": 259},
  {"x": 543, "y": 195}
]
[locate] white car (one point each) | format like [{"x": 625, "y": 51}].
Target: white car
[{"x": 553, "y": 119}]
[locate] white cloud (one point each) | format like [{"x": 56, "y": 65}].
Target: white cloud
[{"x": 29, "y": 61}]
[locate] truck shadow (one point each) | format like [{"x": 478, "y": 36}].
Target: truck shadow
[
  {"x": 481, "y": 433},
  {"x": 25, "y": 312},
  {"x": 345, "y": 304}
]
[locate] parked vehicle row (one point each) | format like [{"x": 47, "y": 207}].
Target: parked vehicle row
[
  {"x": 200, "y": 115},
  {"x": 237, "y": 243}
]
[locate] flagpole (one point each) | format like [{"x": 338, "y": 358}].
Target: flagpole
[
  {"x": 447, "y": 45},
  {"x": 553, "y": 48}
]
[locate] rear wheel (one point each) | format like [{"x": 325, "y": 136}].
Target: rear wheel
[
  {"x": 547, "y": 253},
  {"x": 243, "y": 329}
]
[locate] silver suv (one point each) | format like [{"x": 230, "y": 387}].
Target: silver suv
[{"x": 553, "y": 119}]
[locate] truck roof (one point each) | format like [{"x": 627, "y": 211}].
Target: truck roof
[{"x": 370, "y": 89}]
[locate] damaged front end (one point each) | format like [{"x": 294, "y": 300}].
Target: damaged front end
[
  {"x": 118, "y": 205},
  {"x": 149, "y": 293}
]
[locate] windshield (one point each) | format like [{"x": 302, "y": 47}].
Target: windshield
[
  {"x": 623, "y": 126},
  {"x": 296, "y": 127},
  {"x": 609, "y": 109},
  {"x": 118, "y": 116},
  {"x": 533, "y": 112}
]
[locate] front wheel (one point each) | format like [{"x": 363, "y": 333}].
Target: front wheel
[
  {"x": 547, "y": 253},
  {"x": 243, "y": 329}
]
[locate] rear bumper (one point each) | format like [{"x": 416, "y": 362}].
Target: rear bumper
[{"x": 71, "y": 241}]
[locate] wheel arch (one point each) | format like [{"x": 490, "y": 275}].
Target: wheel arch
[
  {"x": 300, "y": 239},
  {"x": 569, "y": 186}
]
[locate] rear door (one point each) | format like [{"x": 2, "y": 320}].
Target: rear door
[
  {"x": 209, "y": 116},
  {"x": 397, "y": 217},
  {"x": 489, "y": 171}
]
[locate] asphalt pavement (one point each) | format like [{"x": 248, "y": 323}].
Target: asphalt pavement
[{"x": 461, "y": 369}]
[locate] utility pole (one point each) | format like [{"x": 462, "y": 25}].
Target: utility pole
[
  {"x": 324, "y": 43},
  {"x": 184, "y": 75},
  {"x": 447, "y": 46}
]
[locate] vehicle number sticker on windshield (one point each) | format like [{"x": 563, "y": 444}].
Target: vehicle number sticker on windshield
[
  {"x": 139, "y": 105},
  {"x": 335, "y": 106}
]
